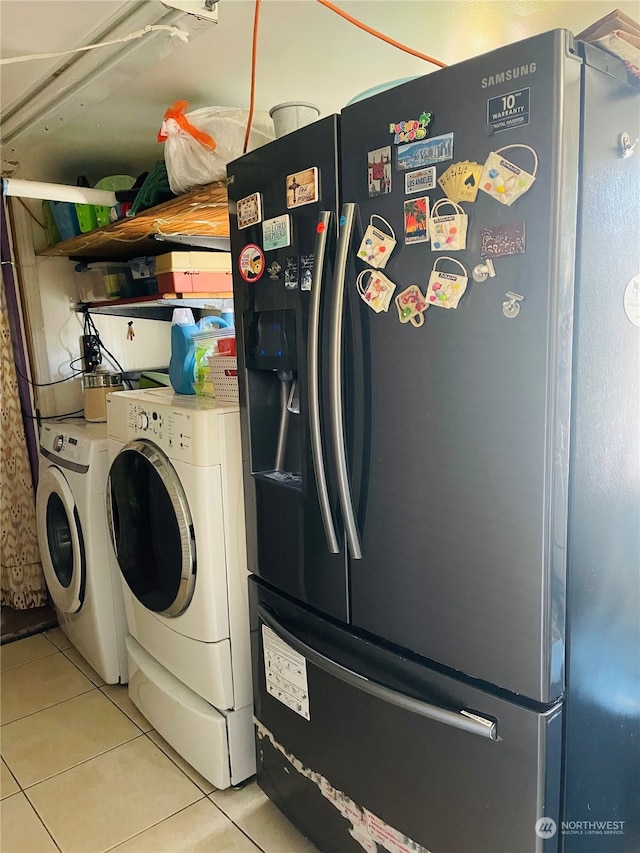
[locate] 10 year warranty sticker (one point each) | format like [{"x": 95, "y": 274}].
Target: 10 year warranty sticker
[{"x": 508, "y": 111}]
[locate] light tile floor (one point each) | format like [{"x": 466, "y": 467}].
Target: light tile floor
[{"x": 84, "y": 772}]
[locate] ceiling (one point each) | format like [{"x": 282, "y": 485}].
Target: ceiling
[{"x": 305, "y": 52}]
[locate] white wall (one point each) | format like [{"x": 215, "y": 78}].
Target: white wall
[
  {"x": 59, "y": 292},
  {"x": 51, "y": 289}
]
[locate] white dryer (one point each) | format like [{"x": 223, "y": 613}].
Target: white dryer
[
  {"x": 176, "y": 516},
  {"x": 79, "y": 569}
]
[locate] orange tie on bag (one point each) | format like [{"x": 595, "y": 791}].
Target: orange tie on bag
[{"x": 177, "y": 113}]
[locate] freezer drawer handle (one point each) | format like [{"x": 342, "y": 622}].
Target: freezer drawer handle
[
  {"x": 347, "y": 217},
  {"x": 468, "y": 721},
  {"x": 313, "y": 350}
]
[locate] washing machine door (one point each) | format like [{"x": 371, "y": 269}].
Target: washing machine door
[
  {"x": 151, "y": 528},
  {"x": 61, "y": 541}
]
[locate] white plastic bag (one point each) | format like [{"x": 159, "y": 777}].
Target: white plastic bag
[{"x": 199, "y": 144}]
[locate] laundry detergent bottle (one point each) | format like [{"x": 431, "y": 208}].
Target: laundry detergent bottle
[{"x": 182, "y": 361}]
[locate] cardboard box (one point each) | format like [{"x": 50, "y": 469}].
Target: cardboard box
[{"x": 195, "y": 272}]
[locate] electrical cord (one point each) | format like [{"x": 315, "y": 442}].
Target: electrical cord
[
  {"x": 79, "y": 413},
  {"x": 150, "y": 28},
  {"x": 55, "y": 382},
  {"x": 254, "y": 53},
  {"x": 90, "y": 328},
  {"x": 380, "y": 35}
]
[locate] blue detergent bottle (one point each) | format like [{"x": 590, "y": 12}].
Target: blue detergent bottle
[
  {"x": 182, "y": 363},
  {"x": 182, "y": 360}
]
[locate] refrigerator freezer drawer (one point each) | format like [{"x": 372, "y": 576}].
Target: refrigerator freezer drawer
[{"x": 413, "y": 756}]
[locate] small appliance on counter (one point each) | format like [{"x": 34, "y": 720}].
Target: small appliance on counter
[{"x": 95, "y": 387}]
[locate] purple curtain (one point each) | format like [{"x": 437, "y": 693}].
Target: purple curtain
[{"x": 19, "y": 348}]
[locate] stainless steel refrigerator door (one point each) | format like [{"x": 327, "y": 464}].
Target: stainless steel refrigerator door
[
  {"x": 294, "y": 534},
  {"x": 463, "y": 493},
  {"x": 383, "y": 750}
]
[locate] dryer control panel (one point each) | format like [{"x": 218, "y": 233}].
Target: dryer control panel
[{"x": 189, "y": 429}]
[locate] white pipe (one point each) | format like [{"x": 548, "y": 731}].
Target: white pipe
[{"x": 57, "y": 192}]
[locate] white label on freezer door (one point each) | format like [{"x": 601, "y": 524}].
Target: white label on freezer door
[{"x": 285, "y": 672}]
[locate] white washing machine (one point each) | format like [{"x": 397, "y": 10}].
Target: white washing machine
[
  {"x": 176, "y": 516},
  {"x": 78, "y": 565}
]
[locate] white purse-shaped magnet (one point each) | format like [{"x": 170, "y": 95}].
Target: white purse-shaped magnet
[
  {"x": 376, "y": 246},
  {"x": 411, "y": 306},
  {"x": 448, "y": 232},
  {"x": 377, "y": 292},
  {"x": 505, "y": 181},
  {"x": 445, "y": 288}
]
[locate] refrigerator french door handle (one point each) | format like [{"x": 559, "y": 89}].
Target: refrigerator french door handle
[
  {"x": 466, "y": 720},
  {"x": 347, "y": 217},
  {"x": 313, "y": 359}
]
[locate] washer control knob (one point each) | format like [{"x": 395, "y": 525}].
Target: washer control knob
[
  {"x": 58, "y": 442},
  {"x": 142, "y": 420}
]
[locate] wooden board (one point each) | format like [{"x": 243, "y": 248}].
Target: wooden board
[{"x": 203, "y": 212}]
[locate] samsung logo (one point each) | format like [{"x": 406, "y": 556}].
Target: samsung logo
[{"x": 509, "y": 74}]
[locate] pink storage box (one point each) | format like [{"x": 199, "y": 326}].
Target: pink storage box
[{"x": 195, "y": 272}]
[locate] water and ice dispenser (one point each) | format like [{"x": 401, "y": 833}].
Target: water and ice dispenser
[{"x": 274, "y": 391}]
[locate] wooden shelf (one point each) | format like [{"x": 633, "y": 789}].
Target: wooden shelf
[{"x": 201, "y": 213}]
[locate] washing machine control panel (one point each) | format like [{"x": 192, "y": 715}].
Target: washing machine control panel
[{"x": 65, "y": 447}]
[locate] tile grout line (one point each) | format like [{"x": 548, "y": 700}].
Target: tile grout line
[
  {"x": 73, "y": 766},
  {"x": 130, "y": 740},
  {"x": 37, "y": 814}
]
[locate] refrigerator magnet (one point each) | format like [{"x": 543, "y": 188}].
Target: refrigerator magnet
[
  {"x": 416, "y": 218},
  {"x": 416, "y": 155},
  {"x": 503, "y": 180},
  {"x": 290, "y": 273},
  {"x": 448, "y": 232},
  {"x": 302, "y": 187},
  {"x": 411, "y": 306},
  {"x": 376, "y": 246},
  {"x": 276, "y": 232},
  {"x": 412, "y": 130},
  {"x": 251, "y": 262},
  {"x": 420, "y": 180},
  {"x": 379, "y": 171},
  {"x": 249, "y": 210},
  {"x": 307, "y": 263},
  {"x": 501, "y": 240},
  {"x": 446, "y": 289},
  {"x": 377, "y": 291}
]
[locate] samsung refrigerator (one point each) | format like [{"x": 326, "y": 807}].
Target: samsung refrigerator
[{"x": 437, "y": 300}]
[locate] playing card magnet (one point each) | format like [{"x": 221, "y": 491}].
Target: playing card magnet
[
  {"x": 375, "y": 289},
  {"x": 445, "y": 289},
  {"x": 448, "y": 232},
  {"x": 376, "y": 246},
  {"x": 411, "y": 306},
  {"x": 503, "y": 180},
  {"x": 461, "y": 181}
]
